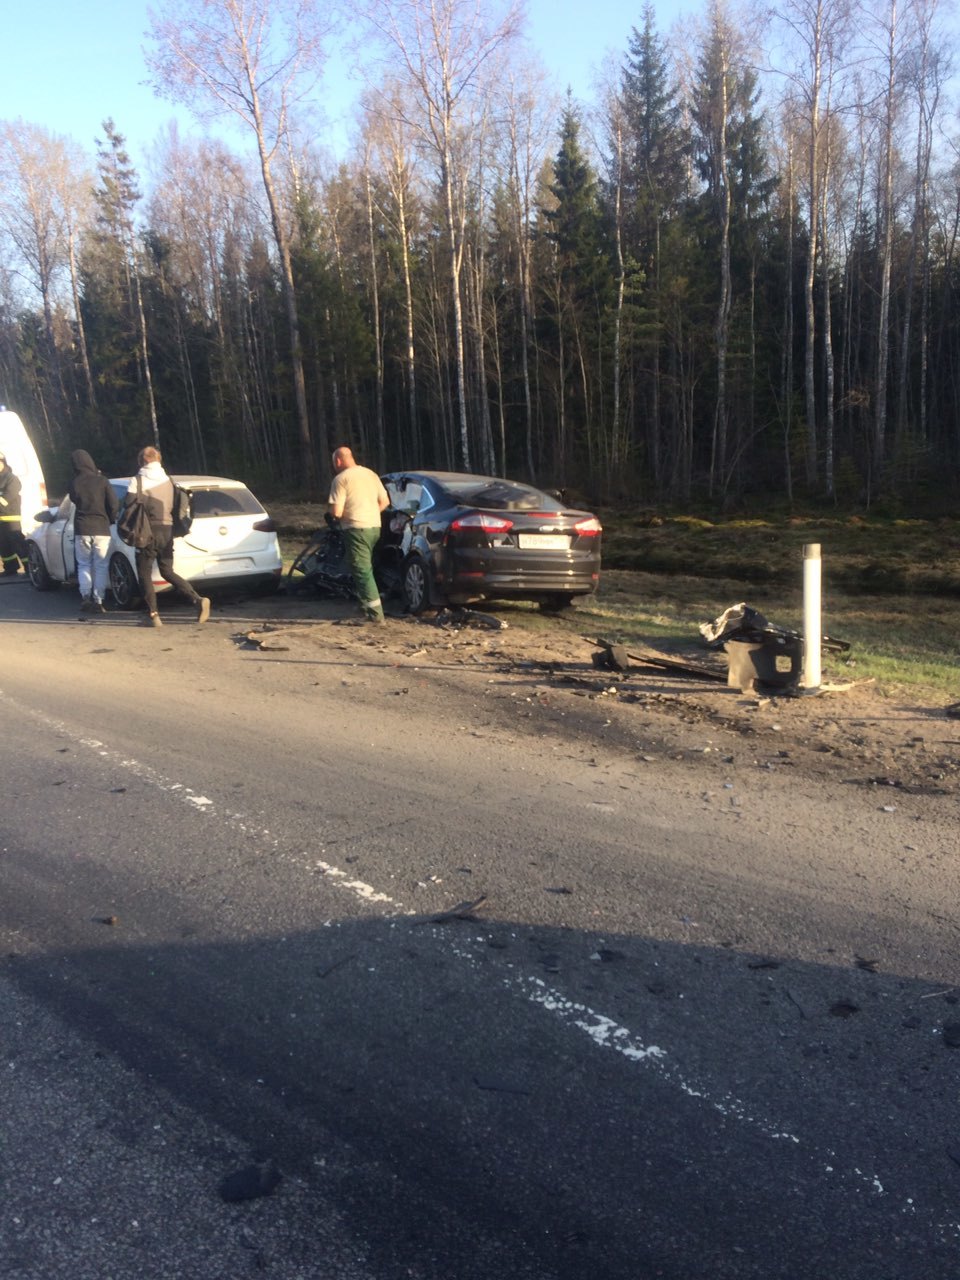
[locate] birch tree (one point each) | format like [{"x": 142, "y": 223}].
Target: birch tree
[
  {"x": 711, "y": 113},
  {"x": 527, "y": 128},
  {"x": 253, "y": 60},
  {"x": 44, "y": 200},
  {"x": 445, "y": 51},
  {"x": 818, "y": 35},
  {"x": 890, "y": 41},
  {"x": 926, "y": 71},
  {"x": 203, "y": 205}
]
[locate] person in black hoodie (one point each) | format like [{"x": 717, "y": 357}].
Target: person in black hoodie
[{"x": 96, "y": 506}]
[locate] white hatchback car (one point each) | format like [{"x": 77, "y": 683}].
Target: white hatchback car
[{"x": 232, "y": 543}]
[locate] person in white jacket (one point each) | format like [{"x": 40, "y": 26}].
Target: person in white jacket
[{"x": 156, "y": 488}]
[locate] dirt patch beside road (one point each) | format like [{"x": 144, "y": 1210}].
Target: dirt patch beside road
[{"x": 537, "y": 676}]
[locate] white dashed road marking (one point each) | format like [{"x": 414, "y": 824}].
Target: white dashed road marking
[{"x": 604, "y": 1032}]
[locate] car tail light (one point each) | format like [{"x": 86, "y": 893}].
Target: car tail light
[
  {"x": 265, "y": 526},
  {"x": 588, "y": 528},
  {"x": 481, "y": 520}
]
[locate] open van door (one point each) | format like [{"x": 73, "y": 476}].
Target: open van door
[{"x": 19, "y": 452}]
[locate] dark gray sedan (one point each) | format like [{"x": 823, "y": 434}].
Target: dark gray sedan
[{"x": 462, "y": 538}]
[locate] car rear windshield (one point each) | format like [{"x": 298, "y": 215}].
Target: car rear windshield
[
  {"x": 224, "y": 502},
  {"x": 501, "y": 495}
]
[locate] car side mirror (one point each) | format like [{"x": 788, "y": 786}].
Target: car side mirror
[{"x": 46, "y": 516}]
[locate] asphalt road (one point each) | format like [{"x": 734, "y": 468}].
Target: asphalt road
[{"x": 696, "y": 1030}]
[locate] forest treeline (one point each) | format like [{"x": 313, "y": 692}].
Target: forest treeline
[{"x": 734, "y": 277}]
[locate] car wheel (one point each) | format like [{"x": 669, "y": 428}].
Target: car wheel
[
  {"x": 37, "y": 570},
  {"x": 124, "y": 586},
  {"x": 557, "y": 602},
  {"x": 416, "y": 585}
]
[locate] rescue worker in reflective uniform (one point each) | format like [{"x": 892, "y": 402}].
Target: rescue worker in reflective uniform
[{"x": 12, "y": 542}]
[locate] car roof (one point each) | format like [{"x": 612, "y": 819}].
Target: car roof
[
  {"x": 468, "y": 477},
  {"x": 191, "y": 482},
  {"x": 449, "y": 477}
]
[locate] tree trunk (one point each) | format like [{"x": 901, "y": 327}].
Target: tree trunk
[
  {"x": 455, "y": 259},
  {"x": 886, "y": 250},
  {"x": 78, "y": 312}
]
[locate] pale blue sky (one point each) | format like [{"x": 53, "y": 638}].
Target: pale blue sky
[{"x": 68, "y": 66}]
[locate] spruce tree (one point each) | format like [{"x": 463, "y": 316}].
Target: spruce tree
[
  {"x": 113, "y": 303},
  {"x": 655, "y": 183},
  {"x": 577, "y": 298},
  {"x": 658, "y": 146}
]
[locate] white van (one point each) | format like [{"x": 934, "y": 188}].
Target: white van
[{"x": 16, "y": 447}]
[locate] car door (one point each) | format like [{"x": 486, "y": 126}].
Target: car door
[
  {"x": 412, "y": 498},
  {"x": 430, "y": 522},
  {"x": 59, "y": 544}
]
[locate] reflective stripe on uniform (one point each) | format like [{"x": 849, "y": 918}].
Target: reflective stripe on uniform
[{"x": 11, "y": 519}]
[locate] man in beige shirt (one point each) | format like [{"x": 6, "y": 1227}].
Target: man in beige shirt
[{"x": 356, "y": 499}]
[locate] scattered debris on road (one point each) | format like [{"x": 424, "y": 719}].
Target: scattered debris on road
[
  {"x": 457, "y": 618},
  {"x": 463, "y": 911},
  {"x": 337, "y": 964},
  {"x": 265, "y": 639},
  {"x": 846, "y": 685},
  {"x": 498, "y": 1086},
  {"x": 251, "y": 1183},
  {"x": 616, "y": 657},
  {"x": 844, "y": 1009},
  {"x": 631, "y": 686}
]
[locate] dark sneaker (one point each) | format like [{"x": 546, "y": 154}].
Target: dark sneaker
[
  {"x": 203, "y": 609},
  {"x": 86, "y": 604},
  {"x": 98, "y": 607}
]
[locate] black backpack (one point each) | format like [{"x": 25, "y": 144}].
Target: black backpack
[
  {"x": 182, "y": 511},
  {"x": 133, "y": 523}
]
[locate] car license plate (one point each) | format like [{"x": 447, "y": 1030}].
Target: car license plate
[{"x": 543, "y": 541}]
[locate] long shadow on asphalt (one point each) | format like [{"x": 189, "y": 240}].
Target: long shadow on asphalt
[{"x": 478, "y": 1092}]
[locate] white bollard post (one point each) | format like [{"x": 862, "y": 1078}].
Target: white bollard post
[{"x": 812, "y": 623}]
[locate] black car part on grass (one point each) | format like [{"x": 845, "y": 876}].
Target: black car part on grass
[
  {"x": 757, "y": 650},
  {"x": 324, "y": 568},
  {"x": 744, "y": 623}
]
